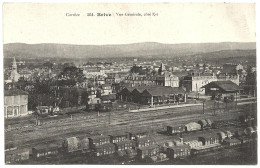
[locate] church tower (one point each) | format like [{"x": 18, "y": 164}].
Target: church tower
[{"x": 14, "y": 74}]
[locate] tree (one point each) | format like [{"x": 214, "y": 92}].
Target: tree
[
  {"x": 137, "y": 69},
  {"x": 48, "y": 64},
  {"x": 21, "y": 83},
  {"x": 71, "y": 75}
]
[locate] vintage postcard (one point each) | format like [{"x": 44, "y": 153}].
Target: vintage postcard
[{"x": 129, "y": 83}]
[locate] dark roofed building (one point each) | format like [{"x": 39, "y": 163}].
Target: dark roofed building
[
  {"x": 108, "y": 98},
  {"x": 161, "y": 95},
  {"x": 221, "y": 88},
  {"x": 153, "y": 95}
]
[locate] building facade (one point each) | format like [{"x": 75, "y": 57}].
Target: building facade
[{"x": 15, "y": 103}]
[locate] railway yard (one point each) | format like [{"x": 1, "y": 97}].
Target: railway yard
[{"x": 54, "y": 130}]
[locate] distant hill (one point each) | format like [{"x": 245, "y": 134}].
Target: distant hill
[{"x": 124, "y": 50}]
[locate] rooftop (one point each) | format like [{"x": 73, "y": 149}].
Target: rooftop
[{"x": 15, "y": 92}]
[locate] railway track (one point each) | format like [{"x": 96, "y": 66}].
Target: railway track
[{"x": 41, "y": 135}]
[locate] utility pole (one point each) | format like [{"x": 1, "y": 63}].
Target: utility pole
[
  {"x": 203, "y": 112},
  {"x": 214, "y": 107},
  {"x": 109, "y": 116},
  {"x": 236, "y": 100}
]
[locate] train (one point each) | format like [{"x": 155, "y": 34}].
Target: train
[{"x": 195, "y": 138}]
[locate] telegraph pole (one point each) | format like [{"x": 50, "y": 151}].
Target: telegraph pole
[
  {"x": 203, "y": 112},
  {"x": 214, "y": 107}
]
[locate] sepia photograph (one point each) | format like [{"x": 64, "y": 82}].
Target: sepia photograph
[{"x": 129, "y": 83}]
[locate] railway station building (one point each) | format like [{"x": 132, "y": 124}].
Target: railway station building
[
  {"x": 225, "y": 89},
  {"x": 151, "y": 95}
]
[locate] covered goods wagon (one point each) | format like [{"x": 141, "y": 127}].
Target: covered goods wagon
[
  {"x": 204, "y": 149},
  {"x": 193, "y": 126},
  {"x": 105, "y": 149},
  {"x": 124, "y": 145},
  {"x": 74, "y": 144},
  {"x": 178, "y": 151},
  {"x": 138, "y": 135},
  {"x": 98, "y": 140},
  {"x": 209, "y": 138},
  {"x": 148, "y": 151},
  {"x": 172, "y": 130},
  {"x": 16, "y": 156},
  {"x": 144, "y": 142},
  {"x": 45, "y": 150},
  {"x": 232, "y": 142},
  {"x": 118, "y": 137}
]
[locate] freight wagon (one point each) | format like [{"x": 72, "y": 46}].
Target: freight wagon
[
  {"x": 144, "y": 142},
  {"x": 124, "y": 145},
  {"x": 96, "y": 141},
  {"x": 104, "y": 150},
  {"x": 76, "y": 145},
  {"x": 148, "y": 152},
  {"x": 203, "y": 124},
  {"x": 16, "y": 156},
  {"x": 118, "y": 137},
  {"x": 192, "y": 126},
  {"x": 45, "y": 151},
  {"x": 178, "y": 151},
  {"x": 131, "y": 153},
  {"x": 175, "y": 130},
  {"x": 205, "y": 148},
  {"x": 208, "y": 139},
  {"x": 139, "y": 135},
  {"x": 232, "y": 142},
  {"x": 194, "y": 143}
]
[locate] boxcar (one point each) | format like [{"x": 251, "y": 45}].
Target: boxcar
[
  {"x": 221, "y": 136},
  {"x": 124, "y": 145},
  {"x": 121, "y": 153},
  {"x": 118, "y": 137},
  {"x": 16, "y": 156},
  {"x": 193, "y": 144},
  {"x": 193, "y": 126},
  {"x": 209, "y": 138},
  {"x": 105, "y": 149},
  {"x": 98, "y": 140},
  {"x": 139, "y": 135},
  {"x": 144, "y": 142},
  {"x": 203, "y": 124},
  {"x": 178, "y": 151},
  {"x": 232, "y": 142},
  {"x": 175, "y": 130},
  {"x": 207, "y": 148},
  {"x": 76, "y": 144},
  {"x": 245, "y": 140},
  {"x": 148, "y": 151},
  {"x": 131, "y": 153},
  {"x": 44, "y": 151}
]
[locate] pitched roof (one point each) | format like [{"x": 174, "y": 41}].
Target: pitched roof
[
  {"x": 224, "y": 85},
  {"x": 164, "y": 90},
  {"x": 15, "y": 92},
  {"x": 108, "y": 97}
]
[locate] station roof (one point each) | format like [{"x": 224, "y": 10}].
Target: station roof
[{"x": 226, "y": 86}]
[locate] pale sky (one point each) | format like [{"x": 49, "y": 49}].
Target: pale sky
[{"x": 175, "y": 23}]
